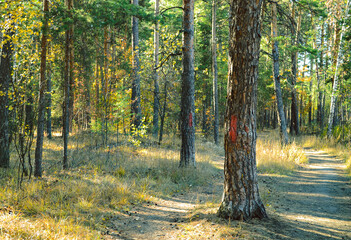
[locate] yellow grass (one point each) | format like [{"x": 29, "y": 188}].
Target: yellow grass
[
  {"x": 273, "y": 157},
  {"x": 103, "y": 182}
]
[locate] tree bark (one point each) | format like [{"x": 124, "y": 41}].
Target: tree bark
[
  {"x": 187, "y": 112},
  {"x": 67, "y": 87},
  {"x": 156, "y": 62},
  {"x": 241, "y": 198},
  {"x": 278, "y": 91},
  {"x": 42, "y": 96},
  {"x": 48, "y": 99},
  {"x": 294, "y": 124},
  {"x": 215, "y": 74},
  {"x": 135, "y": 106},
  {"x": 336, "y": 80},
  {"x": 163, "y": 114},
  {"x": 5, "y": 79}
]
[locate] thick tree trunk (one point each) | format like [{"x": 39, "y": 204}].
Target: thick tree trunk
[
  {"x": 241, "y": 198},
  {"x": 215, "y": 74},
  {"x": 156, "y": 62},
  {"x": 67, "y": 94},
  {"x": 42, "y": 95},
  {"x": 336, "y": 78},
  {"x": 135, "y": 106},
  {"x": 294, "y": 124},
  {"x": 5, "y": 79},
  {"x": 278, "y": 91},
  {"x": 187, "y": 112}
]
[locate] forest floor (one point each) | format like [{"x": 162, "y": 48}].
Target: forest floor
[
  {"x": 313, "y": 202},
  {"x": 124, "y": 191}
]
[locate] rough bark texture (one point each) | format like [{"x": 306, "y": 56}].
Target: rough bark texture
[
  {"x": 294, "y": 124},
  {"x": 215, "y": 74},
  {"x": 278, "y": 91},
  {"x": 336, "y": 76},
  {"x": 156, "y": 62},
  {"x": 241, "y": 198},
  {"x": 42, "y": 96},
  {"x": 187, "y": 113},
  {"x": 67, "y": 84},
  {"x": 136, "y": 110},
  {"x": 5, "y": 79}
]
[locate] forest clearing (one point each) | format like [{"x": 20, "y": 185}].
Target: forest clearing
[{"x": 170, "y": 119}]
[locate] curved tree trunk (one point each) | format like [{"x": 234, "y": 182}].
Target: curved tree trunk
[
  {"x": 336, "y": 79},
  {"x": 187, "y": 112},
  {"x": 241, "y": 198}
]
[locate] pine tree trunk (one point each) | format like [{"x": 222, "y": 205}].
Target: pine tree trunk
[
  {"x": 215, "y": 74},
  {"x": 135, "y": 106},
  {"x": 5, "y": 79},
  {"x": 241, "y": 198},
  {"x": 67, "y": 94},
  {"x": 187, "y": 112},
  {"x": 156, "y": 62},
  {"x": 278, "y": 91},
  {"x": 48, "y": 99},
  {"x": 42, "y": 96},
  {"x": 163, "y": 114},
  {"x": 336, "y": 79},
  {"x": 294, "y": 124}
]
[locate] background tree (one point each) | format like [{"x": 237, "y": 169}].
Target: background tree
[{"x": 187, "y": 114}]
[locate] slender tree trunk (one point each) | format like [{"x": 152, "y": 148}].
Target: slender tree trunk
[
  {"x": 48, "y": 99},
  {"x": 294, "y": 124},
  {"x": 71, "y": 72},
  {"x": 5, "y": 79},
  {"x": 156, "y": 62},
  {"x": 318, "y": 68},
  {"x": 67, "y": 86},
  {"x": 336, "y": 78},
  {"x": 42, "y": 95},
  {"x": 215, "y": 74},
  {"x": 187, "y": 113},
  {"x": 136, "y": 110},
  {"x": 241, "y": 198},
  {"x": 163, "y": 114},
  {"x": 278, "y": 91}
]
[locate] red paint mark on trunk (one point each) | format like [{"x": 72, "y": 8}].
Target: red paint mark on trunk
[
  {"x": 233, "y": 128},
  {"x": 246, "y": 129},
  {"x": 190, "y": 119}
]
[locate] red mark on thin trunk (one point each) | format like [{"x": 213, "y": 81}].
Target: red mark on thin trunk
[
  {"x": 233, "y": 128},
  {"x": 190, "y": 119},
  {"x": 246, "y": 129}
]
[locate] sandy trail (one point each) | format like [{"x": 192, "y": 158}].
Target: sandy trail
[
  {"x": 313, "y": 203},
  {"x": 316, "y": 201}
]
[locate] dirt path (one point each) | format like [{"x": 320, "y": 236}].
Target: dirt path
[{"x": 313, "y": 203}]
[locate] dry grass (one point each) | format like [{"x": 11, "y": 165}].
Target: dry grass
[
  {"x": 102, "y": 182},
  {"x": 330, "y": 146},
  {"x": 273, "y": 157}
]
